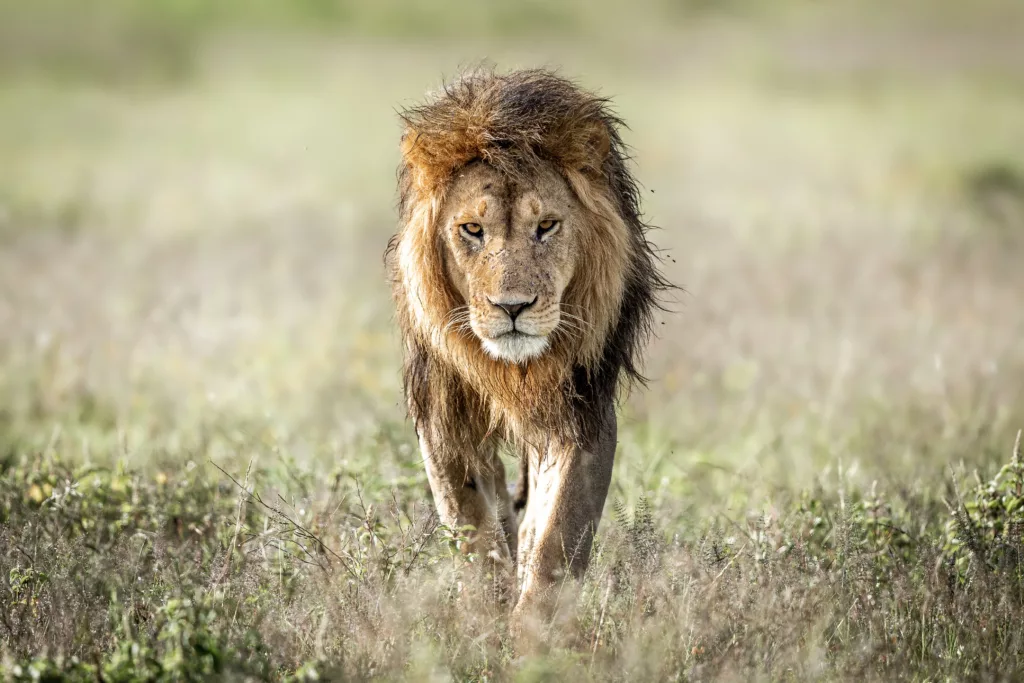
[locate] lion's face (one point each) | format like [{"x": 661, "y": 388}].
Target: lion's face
[{"x": 510, "y": 253}]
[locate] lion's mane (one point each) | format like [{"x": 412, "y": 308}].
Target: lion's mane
[{"x": 513, "y": 122}]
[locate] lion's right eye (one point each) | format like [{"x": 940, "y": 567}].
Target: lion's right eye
[{"x": 472, "y": 229}]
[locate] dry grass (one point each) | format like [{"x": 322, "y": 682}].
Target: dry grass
[{"x": 191, "y": 279}]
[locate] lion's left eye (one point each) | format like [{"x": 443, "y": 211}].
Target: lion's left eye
[
  {"x": 545, "y": 228},
  {"x": 472, "y": 229}
]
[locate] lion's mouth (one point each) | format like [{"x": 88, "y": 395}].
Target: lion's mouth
[{"x": 515, "y": 346}]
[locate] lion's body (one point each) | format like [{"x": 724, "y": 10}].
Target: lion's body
[{"x": 524, "y": 287}]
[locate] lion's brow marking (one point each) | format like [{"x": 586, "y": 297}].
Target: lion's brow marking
[{"x": 471, "y": 214}]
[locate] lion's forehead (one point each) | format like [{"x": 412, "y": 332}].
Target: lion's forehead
[{"x": 480, "y": 191}]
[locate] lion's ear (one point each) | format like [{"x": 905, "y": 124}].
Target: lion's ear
[
  {"x": 416, "y": 156},
  {"x": 600, "y": 141},
  {"x": 434, "y": 156},
  {"x": 595, "y": 146},
  {"x": 412, "y": 155},
  {"x": 408, "y": 142}
]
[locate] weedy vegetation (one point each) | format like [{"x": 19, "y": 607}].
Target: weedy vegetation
[{"x": 205, "y": 470}]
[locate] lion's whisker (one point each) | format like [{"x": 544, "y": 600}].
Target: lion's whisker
[
  {"x": 462, "y": 327},
  {"x": 568, "y": 330},
  {"x": 577, "y": 319},
  {"x": 575, "y": 322},
  {"x": 457, "y": 317},
  {"x": 563, "y": 331}
]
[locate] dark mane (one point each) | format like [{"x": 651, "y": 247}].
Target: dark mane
[{"x": 513, "y": 121}]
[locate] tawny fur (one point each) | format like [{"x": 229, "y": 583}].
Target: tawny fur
[{"x": 514, "y": 122}]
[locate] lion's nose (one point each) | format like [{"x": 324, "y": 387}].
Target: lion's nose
[{"x": 514, "y": 308}]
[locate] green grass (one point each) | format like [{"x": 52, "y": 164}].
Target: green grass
[
  {"x": 199, "y": 572},
  {"x": 166, "y": 40},
  {"x": 205, "y": 468}
]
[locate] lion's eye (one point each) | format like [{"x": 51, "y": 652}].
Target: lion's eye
[
  {"x": 545, "y": 228},
  {"x": 472, "y": 229}
]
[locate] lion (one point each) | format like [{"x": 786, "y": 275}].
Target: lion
[{"x": 525, "y": 288}]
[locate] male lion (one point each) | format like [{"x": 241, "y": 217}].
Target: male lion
[{"x": 525, "y": 287}]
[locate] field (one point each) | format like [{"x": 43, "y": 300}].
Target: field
[{"x": 205, "y": 466}]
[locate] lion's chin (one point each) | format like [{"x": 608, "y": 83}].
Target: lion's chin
[{"x": 515, "y": 347}]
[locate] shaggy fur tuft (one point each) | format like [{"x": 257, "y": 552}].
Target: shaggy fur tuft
[{"x": 509, "y": 121}]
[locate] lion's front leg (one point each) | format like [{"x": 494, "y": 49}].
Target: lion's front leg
[
  {"x": 505, "y": 507},
  {"x": 468, "y": 486},
  {"x": 567, "y": 491}
]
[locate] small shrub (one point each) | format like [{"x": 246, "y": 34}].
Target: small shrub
[{"x": 986, "y": 529}]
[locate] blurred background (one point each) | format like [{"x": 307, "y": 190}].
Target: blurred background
[{"x": 195, "y": 197}]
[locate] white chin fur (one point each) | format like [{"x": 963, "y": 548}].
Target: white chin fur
[{"x": 515, "y": 348}]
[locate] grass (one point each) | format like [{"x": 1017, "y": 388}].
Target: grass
[{"x": 205, "y": 470}]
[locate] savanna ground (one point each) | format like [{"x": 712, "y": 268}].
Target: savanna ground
[{"x": 205, "y": 470}]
